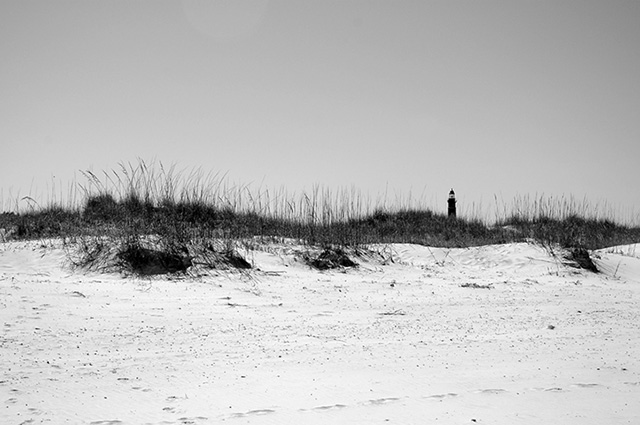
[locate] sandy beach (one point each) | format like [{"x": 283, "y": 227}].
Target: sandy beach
[{"x": 503, "y": 334}]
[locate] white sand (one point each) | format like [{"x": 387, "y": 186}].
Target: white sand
[{"x": 400, "y": 343}]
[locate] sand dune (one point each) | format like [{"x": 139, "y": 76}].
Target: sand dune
[{"x": 503, "y": 334}]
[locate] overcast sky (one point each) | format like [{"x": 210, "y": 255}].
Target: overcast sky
[{"x": 491, "y": 98}]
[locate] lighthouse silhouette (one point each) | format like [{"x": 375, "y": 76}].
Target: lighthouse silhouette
[{"x": 452, "y": 204}]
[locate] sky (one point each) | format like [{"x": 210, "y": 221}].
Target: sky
[{"x": 492, "y": 98}]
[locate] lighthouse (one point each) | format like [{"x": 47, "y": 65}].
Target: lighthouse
[{"x": 452, "y": 204}]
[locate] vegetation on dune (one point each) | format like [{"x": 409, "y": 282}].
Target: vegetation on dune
[{"x": 148, "y": 220}]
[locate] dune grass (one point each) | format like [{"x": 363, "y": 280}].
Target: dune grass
[{"x": 145, "y": 209}]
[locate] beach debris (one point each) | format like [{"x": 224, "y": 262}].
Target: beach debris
[{"x": 476, "y": 285}]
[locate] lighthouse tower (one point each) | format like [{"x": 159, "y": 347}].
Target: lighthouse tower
[{"x": 452, "y": 204}]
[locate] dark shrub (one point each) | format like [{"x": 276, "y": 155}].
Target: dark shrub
[
  {"x": 580, "y": 258},
  {"x": 331, "y": 259},
  {"x": 147, "y": 261},
  {"x": 101, "y": 207}
]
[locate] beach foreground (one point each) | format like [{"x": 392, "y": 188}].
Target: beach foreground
[{"x": 501, "y": 334}]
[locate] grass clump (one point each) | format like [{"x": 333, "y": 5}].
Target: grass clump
[
  {"x": 49, "y": 222},
  {"x": 147, "y": 219},
  {"x": 573, "y": 231},
  {"x": 330, "y": 258},
  {"x": 424, "y": 227},
  {"x": 580, "y": 258},
  {"x": 148, "y": 261}
]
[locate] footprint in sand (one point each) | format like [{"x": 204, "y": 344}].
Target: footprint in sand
[
  {"x": 493, "y": 391},
  {"x": 257, "y": 412},
  {"x": 587, "y": 385},
  {"x": 173, "y": 398},
  {"x": 383, "y": 400},
  {"x": 194, "y": 420},
  {"x": 333, "y": 406},
  {"x": 260, "y": 412},
  {"x": 442, "y": 396}
]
